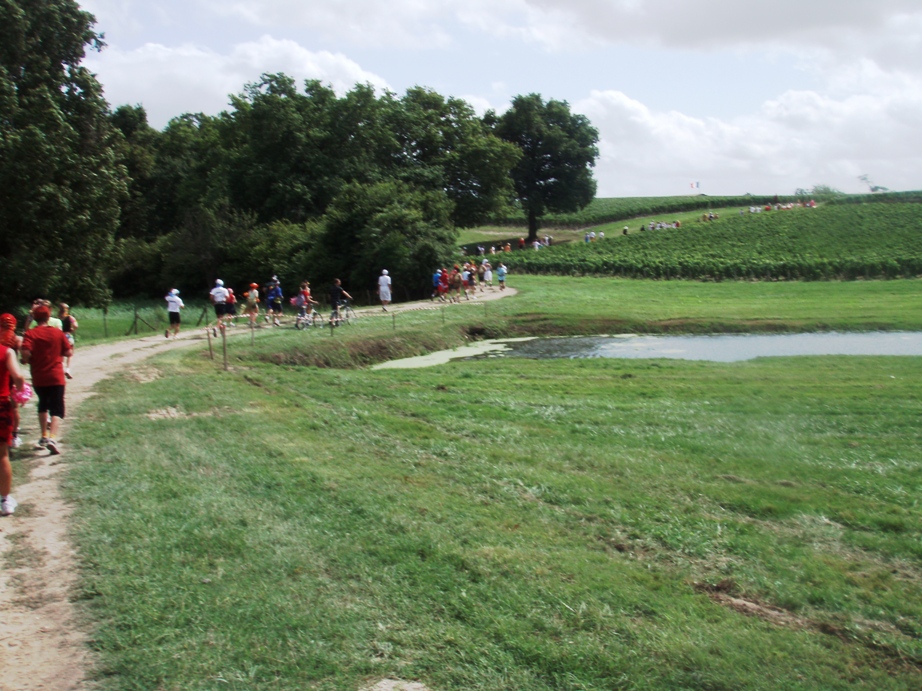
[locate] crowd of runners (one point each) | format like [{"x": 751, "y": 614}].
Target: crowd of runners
[
  {"x": 461, "y": 282},
  {"x": 464, "y": 281},
  {"x": 46, "y": 346}
]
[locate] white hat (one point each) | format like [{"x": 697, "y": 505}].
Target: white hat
[
  {"x": 174, "y": 292},
  {"x": 219, "y": 282},
  {"x": 384, "y": 272}
]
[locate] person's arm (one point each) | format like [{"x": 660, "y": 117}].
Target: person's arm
[
  {"x": 347, "y": 295},
  {"x": 25, "y": 355},
  {"x": 13, "y": 368}
]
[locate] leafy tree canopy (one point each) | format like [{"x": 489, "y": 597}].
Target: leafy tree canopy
[
  {"x": 559, "y": 151},
  {"x": 61, "y": 183}
]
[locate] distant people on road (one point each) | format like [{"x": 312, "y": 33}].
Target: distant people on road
[
  {"x": 487, "y": 275},
  {"x": 384, "y": 288},
  {"x": 218, "y": 297},
  {"x": 274, "y": 300},
  {"x": 173, "y": 306},
  {"x": 337, "y": 296},
  {"x": 436, "y": 282},
  {"x": 252, "y": 308},
  {"x": 230, "y": 308},
  {"x": 501, "y": 276},
  {"x": 69, "y": 327},
  {"x": 44, "y": 349},
  {"x": 444, "y": 285}
]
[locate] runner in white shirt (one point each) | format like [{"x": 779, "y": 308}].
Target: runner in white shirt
[
  {"x": 173, "y": 305},
  {"x": 219, "y": 299}
]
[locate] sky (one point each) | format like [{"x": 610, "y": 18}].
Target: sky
[{"x": 717, "y": 97}]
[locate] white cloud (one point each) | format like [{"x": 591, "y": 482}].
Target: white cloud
[
  {"x": 797, "y": 140},
  {"x": 170, "y": 81}
]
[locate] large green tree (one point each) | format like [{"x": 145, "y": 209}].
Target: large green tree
[
  {"x": 558, "y": 153},
  {"x": 61, "y": 183}
]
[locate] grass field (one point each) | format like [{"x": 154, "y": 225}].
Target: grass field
[
  {"x": 831, "y": 242},
  {"x": 513, "y": 525}
]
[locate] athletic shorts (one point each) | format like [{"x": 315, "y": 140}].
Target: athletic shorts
[
  {"x": 51, "y": 400},
  {"x": 70, "y": 338},
  {"x": 174, "y": 317},
  {"x": 6, "y": 422},
  {"x": 230, "y": 309},
  {"x": 276, "y": 307},
  {"x": 220, "y": 309}
]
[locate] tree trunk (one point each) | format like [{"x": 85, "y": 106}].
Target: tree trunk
[{"x": 532, "y": 226}]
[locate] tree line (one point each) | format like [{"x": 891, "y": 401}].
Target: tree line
[{"x": 290, "y": 180}]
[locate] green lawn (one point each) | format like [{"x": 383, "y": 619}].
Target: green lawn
[{"x": 513, "y": 524}]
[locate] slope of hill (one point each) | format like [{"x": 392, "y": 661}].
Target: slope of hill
[
  {"x": 839, "y": 241},
  {"x": 610, "y": 209}
]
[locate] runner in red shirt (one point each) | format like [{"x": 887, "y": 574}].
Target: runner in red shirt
[
  {"x": 43, "y": 349},
  {"x": 9, "y": 370}
]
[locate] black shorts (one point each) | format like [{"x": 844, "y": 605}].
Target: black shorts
[
  {"x": 51, "y": 400},
  {"x": 230, "y": 309},
  {"x": 174, "y": 317},
  {"x": 220, "y": 309},
  {"x": 276, "y": 307}
]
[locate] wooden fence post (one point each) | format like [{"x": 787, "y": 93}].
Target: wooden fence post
[
  {"x": 210, "y": 349},
  {"x": 224, "y": 344}
]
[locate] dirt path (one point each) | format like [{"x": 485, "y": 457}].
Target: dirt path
[{"x": 42, "y": 645}]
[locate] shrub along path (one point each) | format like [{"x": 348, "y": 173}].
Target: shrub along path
[{"x": 42, "y": 643}]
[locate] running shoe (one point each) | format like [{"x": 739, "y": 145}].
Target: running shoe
[
  {"x": 41, "y": 443},
  {"x": 52, "y": 447},
  {"x": 16, "y": 443},
  {"x": 8, "y": 505},
  {"x": 68, "y": 374}
]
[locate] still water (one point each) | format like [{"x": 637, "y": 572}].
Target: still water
[{"x": 718, "y": 348}]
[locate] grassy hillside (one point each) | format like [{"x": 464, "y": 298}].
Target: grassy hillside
[
  {"x": 840, "y": 241},
  {"x": 610, "y": 209}
]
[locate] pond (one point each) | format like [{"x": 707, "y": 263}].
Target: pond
[{"x": 717, "y": 348}]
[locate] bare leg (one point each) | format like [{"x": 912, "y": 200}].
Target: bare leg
[{"x": 6, "y": 471}]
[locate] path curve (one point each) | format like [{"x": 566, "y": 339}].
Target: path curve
[{"x": 43, "y": 647}]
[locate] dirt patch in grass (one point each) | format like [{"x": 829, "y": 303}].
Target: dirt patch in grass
[
  {"x": 177, "y": 414},
  {"x": 396, "y": 685},
  {"x": 144, "y": 375},
  {"x": 858, "y": 631}
]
